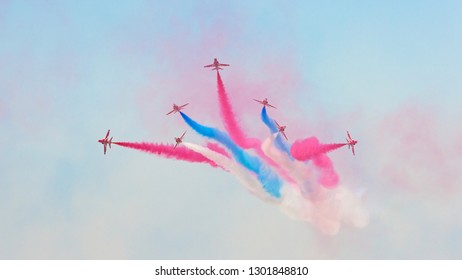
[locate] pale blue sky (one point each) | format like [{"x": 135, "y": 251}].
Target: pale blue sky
[{"x": 70, "y": 70}]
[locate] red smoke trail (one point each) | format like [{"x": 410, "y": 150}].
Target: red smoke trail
[
  {"x": 237, "y": 134},
  {"x": 328, "y": 177},
  {"x": 230, "y": 122},
  {"x": 166, "y": 150},
  {"x": 217, "y": 148},
  {"x": 309, "y": 148}
]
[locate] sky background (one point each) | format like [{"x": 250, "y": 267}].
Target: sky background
[{"x": 387, "y": 71}]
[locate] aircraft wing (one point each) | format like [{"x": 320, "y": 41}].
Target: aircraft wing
[
  {"x": 224, "y": 64},
  {"x": 270, "y": 106},
  {"x": 175, "y": 145},
  {"x": 349, "y": 137},
  {"x": 284, "y": 134},
  {"x": 107, "y": 134},
  {"x": 182, "y": 135},
  {"x": 104, "y": 148},
  {"x": 353, "y": 149},
  {"x": 170, "y": 112},
  {"x": 210, "y": 65},
  {"x": 277, "y": 123},
  {"x": 258, "y": 101}
]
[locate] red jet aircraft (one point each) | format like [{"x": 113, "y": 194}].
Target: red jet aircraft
[
  {"x": 265, "y": 103},
  {"x": 106, "y": 141},
  {"x": 216, "y": 65},
  {"x": 351, "y": 143},
  {"x": 177, "y": 108},
  {"x": 179, "y": 140},
  {"x": 281, "y": 129}
]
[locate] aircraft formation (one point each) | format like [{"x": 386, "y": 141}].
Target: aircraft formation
[
  {"x": 298, "y": 176},
  {"x": 216, "y": 65}
]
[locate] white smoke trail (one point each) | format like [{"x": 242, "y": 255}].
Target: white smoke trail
[
  {"x": 325, "y": 208},
  {"x": 299, "y": 171},
  {"x": 248, "y": 179}
]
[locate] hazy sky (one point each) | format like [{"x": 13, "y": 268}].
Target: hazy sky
[{"x": 388, "y": 71}]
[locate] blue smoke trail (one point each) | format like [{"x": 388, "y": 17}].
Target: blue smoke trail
[
  {"x": 269, "y": 180},
  {"x": 280, "y": 143}
]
